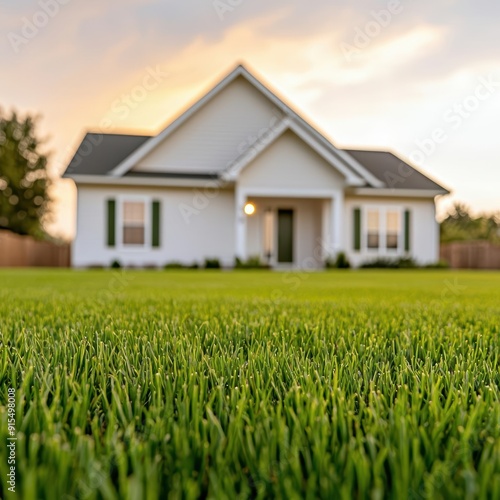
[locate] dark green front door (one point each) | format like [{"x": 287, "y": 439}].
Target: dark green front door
[{"x": 285, "y": 236}]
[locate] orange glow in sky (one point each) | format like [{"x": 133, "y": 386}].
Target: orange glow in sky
[{"x": 421, "y": 80}]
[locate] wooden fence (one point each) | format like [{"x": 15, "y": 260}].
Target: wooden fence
[
  {"x": 471, "y": 255},
  {"x": 24, "y": 251}
]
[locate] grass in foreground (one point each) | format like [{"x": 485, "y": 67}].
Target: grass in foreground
[{"x": 146, "y": 385}]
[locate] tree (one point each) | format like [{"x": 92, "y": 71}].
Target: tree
[
  {"x": 461, "y": 226},
  {"x": 24, "y": 181}
]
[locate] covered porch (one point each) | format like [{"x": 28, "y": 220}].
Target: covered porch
[{"x": 289, "y": 231}]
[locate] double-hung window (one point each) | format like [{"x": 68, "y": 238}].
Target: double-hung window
[
  {"x": 383, "y": 230},
  {"x": 134, "y": 223},
  {"x": 392, "y": 229},
  {"x": 373, "y": 229}
]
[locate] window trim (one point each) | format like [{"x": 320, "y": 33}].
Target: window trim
[
  {"x": 382, "y": 248},
  {"x": 122, "y": 199}
]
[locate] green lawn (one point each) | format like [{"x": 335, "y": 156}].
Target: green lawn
[{"x": 189, "y": 384}]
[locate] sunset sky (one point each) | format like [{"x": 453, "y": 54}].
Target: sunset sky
[{"x": 396, "y": 79}]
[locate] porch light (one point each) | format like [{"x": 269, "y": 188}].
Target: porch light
[{"x": 249, "y": 209}]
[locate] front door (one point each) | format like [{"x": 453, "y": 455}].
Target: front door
[{"x": 285, "y": 236}]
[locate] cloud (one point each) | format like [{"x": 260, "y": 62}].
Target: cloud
[{"x": 429, "y": 56}]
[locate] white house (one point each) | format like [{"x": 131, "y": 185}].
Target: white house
[{"x": 242, "y": 174}]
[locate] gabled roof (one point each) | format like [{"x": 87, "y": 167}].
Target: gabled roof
[
  {"x": 114, "y": 155},
  {"x": 393, "y": 171},
  {"x": 287, "y": 124},
  {"x": 241, "y": 71}
]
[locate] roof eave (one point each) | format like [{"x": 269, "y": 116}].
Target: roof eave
[
  {"x": 106, "y": 180},
  {"x": 400, "y": 193}
]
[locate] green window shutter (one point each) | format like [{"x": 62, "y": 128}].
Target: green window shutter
[
  {"x": 155, "y": 224},
  {"x": 357, "y": 229},
  {"x": 111, "y": 223},
  {"x": 407, "y": 230}
]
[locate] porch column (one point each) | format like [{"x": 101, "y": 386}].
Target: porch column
[
  {"x": 338, "y": 222},
  {"x": 326, "y": 229},
  {"x": 241, "y": 224}
]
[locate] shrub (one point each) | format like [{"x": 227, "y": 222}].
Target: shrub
[
  {"x": 387, "y": 263},
  {"x": 212, "y": 264},
  {"x": 406, "y": 263},
  {"x": 340, "y": 262},
  {"x": 116, "y": 264},
  {"x": 180, "y": 265},
  {"x": 174, "y": 265},
  {"x": 252, "y": 263},
  {"x": 440, "y": 264}
]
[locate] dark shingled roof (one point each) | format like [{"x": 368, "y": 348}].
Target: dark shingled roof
[
  {"x": 392, "y": 171},
  {"x": 98, "y": 154}
]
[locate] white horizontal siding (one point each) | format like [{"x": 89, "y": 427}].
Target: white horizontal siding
[
  {"x": 209, "y": 232},
  {"x": 424, "y": 229},
  {"x": 216, "y": 134},
  {"x": 290, "y": 163}
]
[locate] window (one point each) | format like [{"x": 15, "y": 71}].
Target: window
[
  {"x": 384, "y": 229},
  {"x": 134, "y": 217},
  {"x": 392, "y": 230},
  {"x": 373, "y": 237}
]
